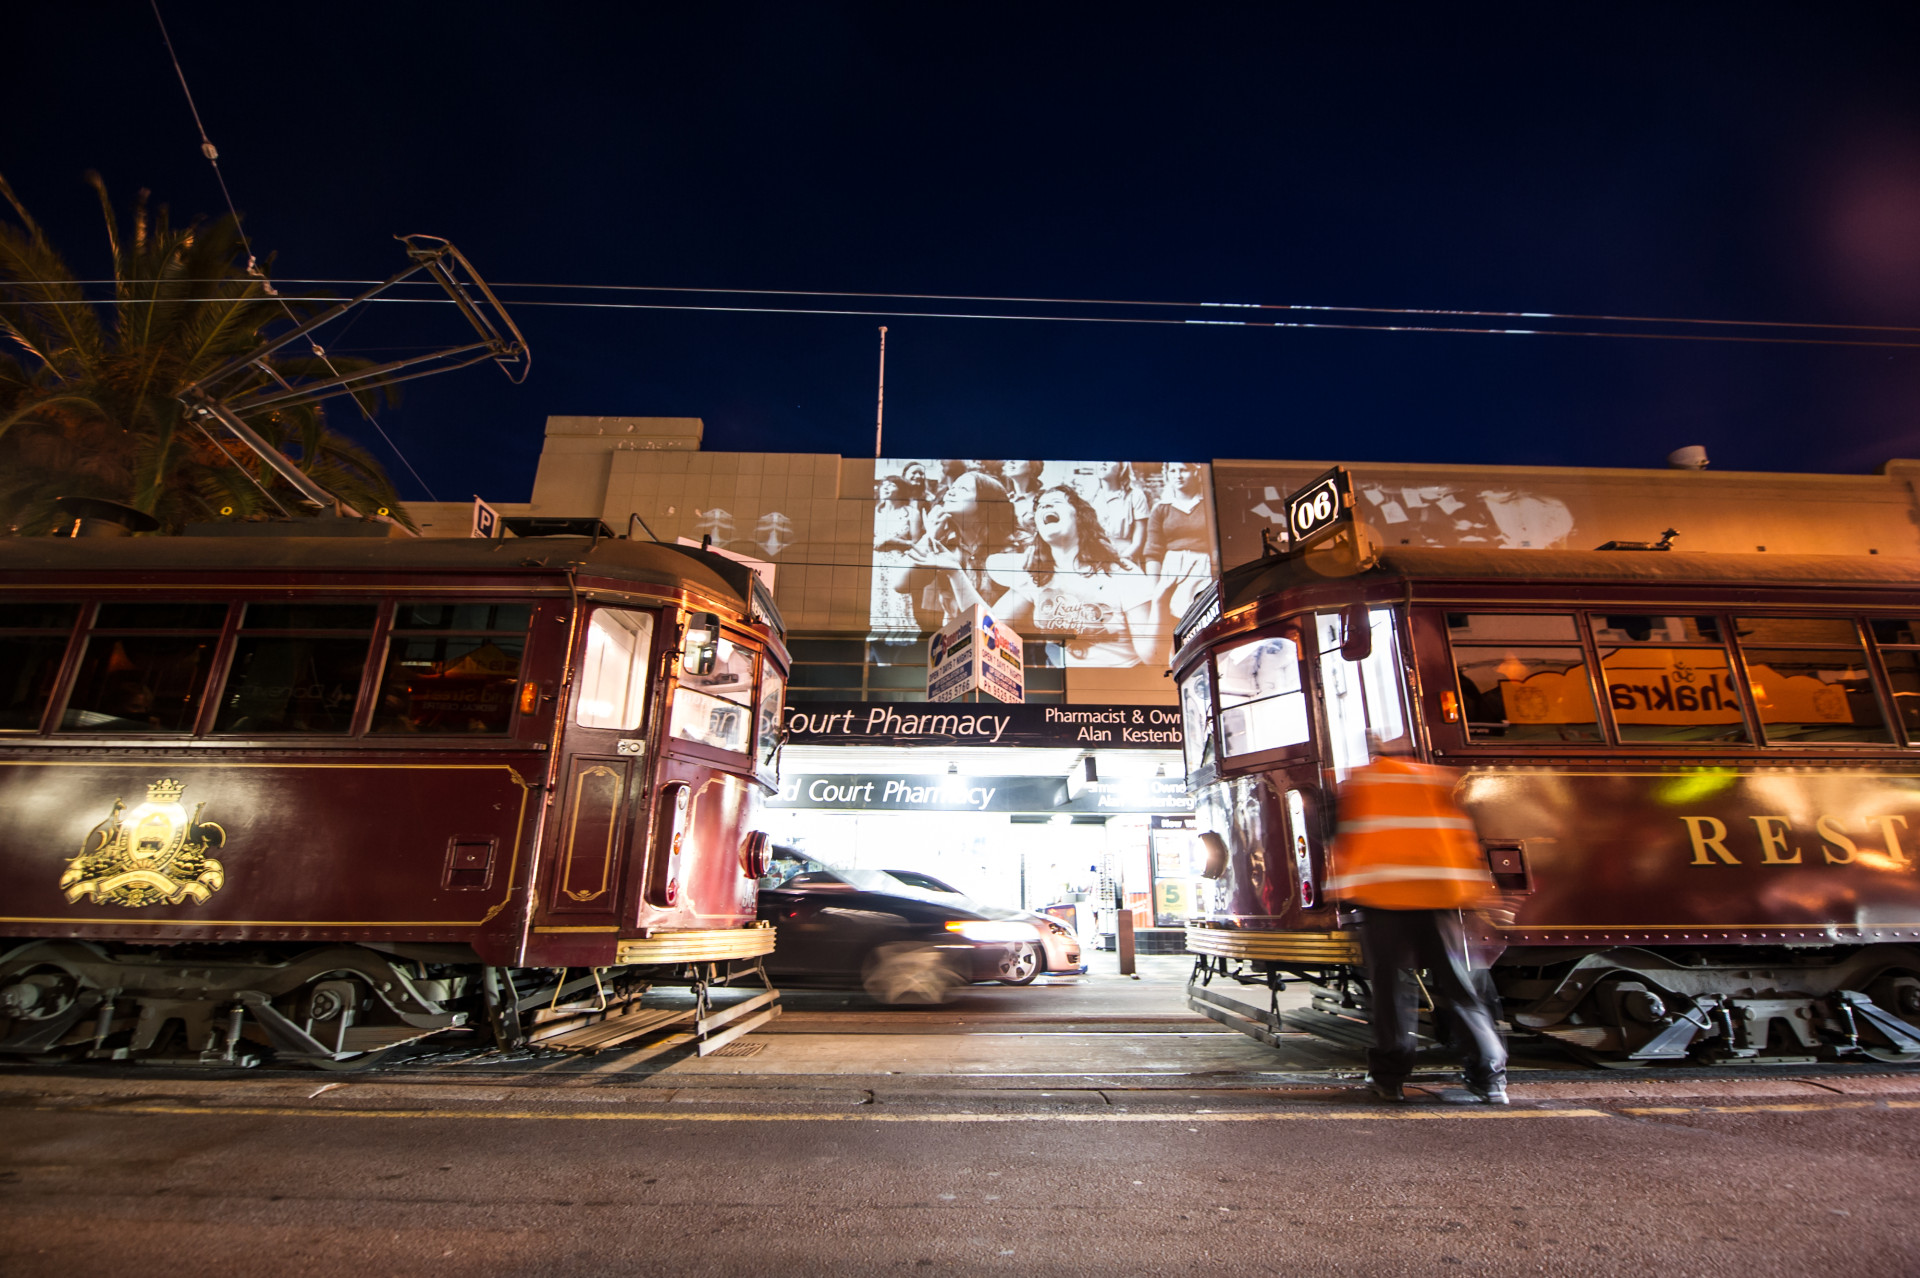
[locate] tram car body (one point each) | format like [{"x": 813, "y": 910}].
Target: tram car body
[
  {"x": 1696, "y": 778},
  {"x": 325, "y": 795}
]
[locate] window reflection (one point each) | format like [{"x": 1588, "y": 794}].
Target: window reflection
[
  {"x": 714, "y": 709},
  {"x": 1526, "y": 694},
  {"x": 443, "y": 683}
]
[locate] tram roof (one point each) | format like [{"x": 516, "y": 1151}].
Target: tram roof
[
  {"x": 650, "y": 563},
  {"x": 1242, "y": 585}
]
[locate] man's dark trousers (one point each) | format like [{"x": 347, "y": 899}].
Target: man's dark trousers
[{"x": 1396, "y": 943}]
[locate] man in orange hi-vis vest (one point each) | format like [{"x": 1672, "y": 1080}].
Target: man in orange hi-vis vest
[{"x": 1407, "y": 856}]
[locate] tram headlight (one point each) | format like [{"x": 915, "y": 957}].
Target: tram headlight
[{"x": 1001, "y": 931}]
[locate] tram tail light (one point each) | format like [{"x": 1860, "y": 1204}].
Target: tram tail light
[
  {"x": 1450, "y": 706},
  {"x": 529, "y": 697}
]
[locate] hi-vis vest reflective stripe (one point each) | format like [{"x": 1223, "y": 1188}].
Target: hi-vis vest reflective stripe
[{"x": 1404, "y": 844}]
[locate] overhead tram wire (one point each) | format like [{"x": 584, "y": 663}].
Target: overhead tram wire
[
  {"x": 1424, "y": 312},
  {"x": 213, "y": 158}
]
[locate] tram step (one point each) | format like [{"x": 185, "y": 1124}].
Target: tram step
[{"x": 612, "y": 1030}]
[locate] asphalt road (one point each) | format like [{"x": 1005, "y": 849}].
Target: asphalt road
[{"x": 908, "y": 1157}]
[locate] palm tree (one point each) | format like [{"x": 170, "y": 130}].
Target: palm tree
[{"x": 88, "y": 403}]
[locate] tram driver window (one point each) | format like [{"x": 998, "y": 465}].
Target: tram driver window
[
  {"x": 716, "y": 709},
  {"x": 33, "y": 639},
  {"x": 613, "y": 670},
  {"x": 452, "y": 668},
  {"x": 144, "y": 668},
  {"x": 1262, "y": 703},
  {"x": 1808, "y": 693}
]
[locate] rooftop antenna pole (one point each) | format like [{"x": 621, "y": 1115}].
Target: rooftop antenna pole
[{"x": 880, "y": 408}]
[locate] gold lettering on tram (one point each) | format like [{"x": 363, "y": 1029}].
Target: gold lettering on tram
[{"x": 1707, "y": 838}]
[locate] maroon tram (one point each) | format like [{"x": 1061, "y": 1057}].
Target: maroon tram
[
  {"x": 329, "y": 794},
  {"x": 1697, "y": 779}
]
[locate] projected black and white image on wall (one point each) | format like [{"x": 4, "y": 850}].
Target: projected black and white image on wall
[{"x": 1099, "y": 556}]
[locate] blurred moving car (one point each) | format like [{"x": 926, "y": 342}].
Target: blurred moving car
[
  {"x": 1058, "y": 950},
  {"x": 902, "y": 944}
]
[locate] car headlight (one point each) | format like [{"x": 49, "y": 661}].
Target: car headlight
[{"x": 993, "y": 930}]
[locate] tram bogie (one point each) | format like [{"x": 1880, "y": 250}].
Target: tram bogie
[
  {"x": 1696, "y": 778},
  {"x": 314, "y": 800}
]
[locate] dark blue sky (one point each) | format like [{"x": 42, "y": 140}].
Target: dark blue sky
[{"x": 1737, "y": 162}]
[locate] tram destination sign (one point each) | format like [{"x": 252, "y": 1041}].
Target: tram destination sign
[
  {"x": 1320, "y": 507},
  {"x": 920, "y": 723}
]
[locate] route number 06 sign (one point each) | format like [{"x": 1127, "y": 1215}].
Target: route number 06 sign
[{"x": 1320, "y": 507}]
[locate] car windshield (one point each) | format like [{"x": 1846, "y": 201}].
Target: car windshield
[{"x": 792, "y": 869}]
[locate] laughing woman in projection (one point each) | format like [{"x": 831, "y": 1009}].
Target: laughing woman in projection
[{"x": 1073, "y": 581}]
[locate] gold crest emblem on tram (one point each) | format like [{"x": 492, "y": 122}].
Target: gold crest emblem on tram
[{"x": 155, "y": 854}]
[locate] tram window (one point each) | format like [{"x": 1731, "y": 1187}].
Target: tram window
[
  {"x": 1643, "y": 628},
  {"x": 1361, "y": 696},
  {"x": 1782, "y": 632},
  {"x": 1815, "y": 694},
  {"x": 613, "y": 670},
  {"x": 1903, "y": 672},
  {"x": 1196, "y": 717},
  {"x": 771, "y": 686},
  {"x": 1672, "y": 694},
  {"x": 1526, "y": 694},
  {"x": 1895, "y": 630},
  {"x": 1262, "y": 703},
  {"x": 33, "y": 639},
  {"x": 444, "y": 683},
  {"x": 1511, "y": 627},
  {"x": 714, "y": 709},
  {"x": 132, "y": 682},
  {"x": 283, "y": 682},
  {"x": 462, "y": 617}
]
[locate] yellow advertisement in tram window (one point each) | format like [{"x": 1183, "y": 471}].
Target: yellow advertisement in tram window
[{"x": 1673, "y": 686}]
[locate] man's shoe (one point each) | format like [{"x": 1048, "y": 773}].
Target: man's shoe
[
  {"x": 1392, "y": 1092},
  {"x": 1494, "y": 1093}
]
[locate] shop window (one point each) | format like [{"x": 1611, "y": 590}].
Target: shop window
[
  {"x": 1262, "y": 703},
  {"x": 715, "y": 709},
  {"x": 33, "y": 639},
  {"x": 441, "y": 678},
  {"x": 297, "y": 668},
  {"x": 145, "y": 668},
  {"x": 1362, "y": 697},
  {"x": 613, "y": 670},
  {"x": 1516, "y": 694}
]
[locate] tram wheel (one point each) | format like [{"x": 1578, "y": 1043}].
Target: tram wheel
[
  {"x": 1898, "y": 994},
  {"x": 1021, "y": 965}
]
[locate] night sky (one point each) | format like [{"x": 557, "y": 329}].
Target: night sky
[{"x": 1746, "y": 162}]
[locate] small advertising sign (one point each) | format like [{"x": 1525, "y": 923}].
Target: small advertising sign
[
  {"x": 976, "y": 654},
  {"x": 1002, "y": 676},
  {"x": 486, "y": 520},
  {"x": 952, "y": 660}
]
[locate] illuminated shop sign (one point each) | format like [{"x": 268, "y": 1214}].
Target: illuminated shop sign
[
  {"x": 873, "y": 792},
  {"x": 918, "y": 723}
]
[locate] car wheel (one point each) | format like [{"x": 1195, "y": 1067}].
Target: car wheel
[
  {"x": 905, "y": 973},
  {"x": 1021, "y": 965}
]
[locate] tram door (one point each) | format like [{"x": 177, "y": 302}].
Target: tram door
[
  {"x": 1361, "y": 696},
  {"x": 602, "y": 771}
]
